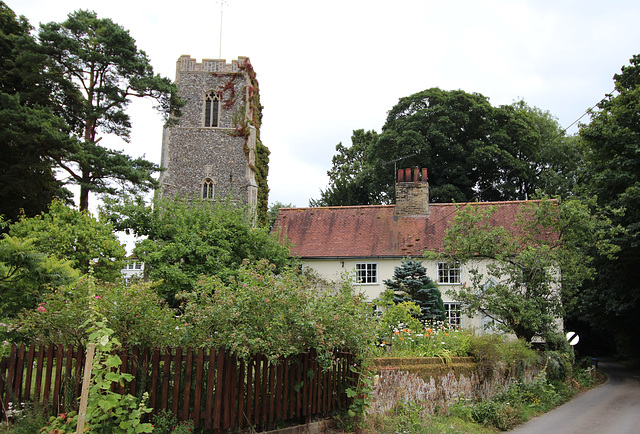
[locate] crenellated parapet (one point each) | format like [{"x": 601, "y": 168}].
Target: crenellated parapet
[{"x": 188, "y": 64}]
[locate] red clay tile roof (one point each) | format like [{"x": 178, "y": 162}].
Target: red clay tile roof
[{"x": 373, "y": 231}]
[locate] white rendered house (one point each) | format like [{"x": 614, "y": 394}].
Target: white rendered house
[{"x": 367, "y": 242}]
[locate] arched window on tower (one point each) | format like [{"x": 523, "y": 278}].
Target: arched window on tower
[
  {"x": 212, "y": 109},
  {"x": 207, "y": 189}
]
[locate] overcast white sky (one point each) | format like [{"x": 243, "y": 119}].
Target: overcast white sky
[{"x": 327, "y": 68}]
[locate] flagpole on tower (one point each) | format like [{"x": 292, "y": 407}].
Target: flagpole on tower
[{"x": 222, "y": 3}]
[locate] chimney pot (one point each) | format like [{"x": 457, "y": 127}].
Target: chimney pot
[{"x": 412, "y": 193}]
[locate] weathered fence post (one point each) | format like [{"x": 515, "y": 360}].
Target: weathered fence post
[{"x": 86, "y": 380}]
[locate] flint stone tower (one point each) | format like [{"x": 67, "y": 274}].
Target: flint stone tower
[{"x": 213, "y": 151}]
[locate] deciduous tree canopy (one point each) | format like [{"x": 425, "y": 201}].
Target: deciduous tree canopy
[
  {"x": 76, "y": 236},
  {"x": 187, "y": 239},
  {"x": 612, "y": 139},
  {"x": 473, "y": 150},
  {"x": 531, "y": 269},
  {"x": 26, "y": 273}
]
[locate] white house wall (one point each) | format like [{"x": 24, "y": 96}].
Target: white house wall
[{"x": 334, "y": 269}]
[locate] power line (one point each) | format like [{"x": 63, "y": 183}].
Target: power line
[{"x": 608, "y": 95}]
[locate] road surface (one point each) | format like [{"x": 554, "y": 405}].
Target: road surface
[{"x": 611, "y": 408}]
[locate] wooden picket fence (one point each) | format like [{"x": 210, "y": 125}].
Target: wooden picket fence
[{"x": 209, "y": 386}]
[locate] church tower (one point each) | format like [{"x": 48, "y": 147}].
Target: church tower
[{"x": 213, "y": 151}]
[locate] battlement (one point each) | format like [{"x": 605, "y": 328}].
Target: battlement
[{"x": 187, "y": 64}]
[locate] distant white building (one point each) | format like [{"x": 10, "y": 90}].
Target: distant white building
[{"x": 133, "y": 269}]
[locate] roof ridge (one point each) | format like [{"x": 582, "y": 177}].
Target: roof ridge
[
  {"x": 494, "y": 202},
  {"x": 338, "y": 207},
  {"x": 498, "y": 202}
]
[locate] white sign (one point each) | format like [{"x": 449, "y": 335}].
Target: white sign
[{"x": 573, "y": 338}]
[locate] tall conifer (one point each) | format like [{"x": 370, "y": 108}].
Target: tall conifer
[{"x": 411, "y": 283}]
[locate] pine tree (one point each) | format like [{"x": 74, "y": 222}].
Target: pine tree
[
  {"x": 411, "y": 283},
  {"x": 99, "y": 69}
]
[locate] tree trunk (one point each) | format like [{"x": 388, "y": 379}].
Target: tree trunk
[{"x": 84, "y": 199}]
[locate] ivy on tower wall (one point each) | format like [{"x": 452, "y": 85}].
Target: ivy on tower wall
[{"x": 262, "y": 152}]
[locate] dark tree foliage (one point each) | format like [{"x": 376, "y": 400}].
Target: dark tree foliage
[
  {"x": 59, "y": 93},
  {"x": 612, "y": 139},
  {"x": 439, "y": 130},
  {"x": 27, "y": 181},
  {"x": 348, "y": 182},
  {"x": 411, "y": 283},
  {"x": 29, "y": 130},
  {"x": 473, "y": 151}
]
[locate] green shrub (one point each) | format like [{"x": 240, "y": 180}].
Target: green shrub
[
  {"x": 583, "y": 377},
  {"x": 558, "y": 365},
  {"x": 187, "y": 238},
  {"x": 563, "y": 390},
  {"x": 539, "y": 394},
  {"x": 136, "y": 314},
  {"x": 461, "y": 410},
  {"x": 166, "y": 422},
  {"x": 557, "y": 341},
  {"x": 519, "y": 402},
  {"x": 261, "y": 312},
  {"x": 491, "y": 350},
  {"x": 30, "y": 420},
  {"x": 502, "y": 415},
  {"x": 486, "y": 350}
]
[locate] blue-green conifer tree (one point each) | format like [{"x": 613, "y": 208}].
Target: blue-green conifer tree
[{"x": 411, "y": 283}]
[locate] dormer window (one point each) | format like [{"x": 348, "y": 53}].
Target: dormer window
[
  {"x": 207, "y": 189},
  {"x": 212, "y": 109}
]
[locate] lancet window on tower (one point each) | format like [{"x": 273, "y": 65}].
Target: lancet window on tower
[
  {"x": 212, "y": 109},
  {"x": 207, "y": 189}
]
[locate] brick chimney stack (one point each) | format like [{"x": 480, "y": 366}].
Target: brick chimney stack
[{"x": 412, "y": 193}]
